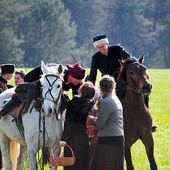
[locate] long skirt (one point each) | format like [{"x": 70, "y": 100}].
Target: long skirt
[
  {"x": 80, "y": 146},
  {"x": 107, "y": 157}
]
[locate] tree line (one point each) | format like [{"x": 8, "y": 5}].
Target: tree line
[{"x": 61, "y": 31}]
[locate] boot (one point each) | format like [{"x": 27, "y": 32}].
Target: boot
[
  {"x": 7, "y": 106},
  {"x": 146, "y": 98}
]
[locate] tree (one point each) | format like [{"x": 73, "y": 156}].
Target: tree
[
  {"x": 48, "y": 32},
  {"x": 10, "y": 50}
]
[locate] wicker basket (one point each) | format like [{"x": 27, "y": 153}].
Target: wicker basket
[{"x": 63, "y": 161}]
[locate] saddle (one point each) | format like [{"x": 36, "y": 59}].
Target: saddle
[{"x": 27, "y": 92}]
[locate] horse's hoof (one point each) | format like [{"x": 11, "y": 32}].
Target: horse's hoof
[{"x": 154, "y": 128}]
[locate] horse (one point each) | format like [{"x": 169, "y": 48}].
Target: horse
[
  {"x": 137, "y": 118},
  {"x": 41, "y": 128}
]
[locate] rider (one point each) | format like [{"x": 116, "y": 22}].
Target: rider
[
  {"x": 73, "y": 76},
  {"x": 106, "y": 61},
  {"x": 106, "y": 58}
]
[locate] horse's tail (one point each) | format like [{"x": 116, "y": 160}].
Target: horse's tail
[{"x": 14, "y": 153}]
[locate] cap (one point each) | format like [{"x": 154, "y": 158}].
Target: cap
[
  {"x": 7, "y": 68},
  {"x": 76, "y": 71},
  {"x": 99, "y": 40}
]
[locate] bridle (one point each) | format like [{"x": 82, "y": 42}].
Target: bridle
[
  {"x": 134, "y": 85},
  {"x": 50, "y": 88}
]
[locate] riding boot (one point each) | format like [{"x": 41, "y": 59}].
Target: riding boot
[
  {"x": 146, "y": 98},
  {"x": 9, "y": 104},
  {"x": 0, "y": 160}
]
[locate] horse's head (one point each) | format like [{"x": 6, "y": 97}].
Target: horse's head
[
  {"x": 51, "y": 81},
  {"x": 135, "y": 75}
]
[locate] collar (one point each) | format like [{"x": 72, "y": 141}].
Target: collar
[{"x": 3, "y": 80}]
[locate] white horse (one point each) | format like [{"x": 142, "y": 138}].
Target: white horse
[{"x": 51, "y": 92}]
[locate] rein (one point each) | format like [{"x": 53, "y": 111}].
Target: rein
[
  {"x": 134, "y": 86},
  {"x": 50, "y": 89}
]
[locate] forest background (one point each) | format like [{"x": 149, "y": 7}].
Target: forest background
[{"x": 61, "y": 31}]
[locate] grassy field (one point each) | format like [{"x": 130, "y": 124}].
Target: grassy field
[{"x": 160, "y": 111}]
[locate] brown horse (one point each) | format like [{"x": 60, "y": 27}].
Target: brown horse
[{"x": 137, "y": 119}]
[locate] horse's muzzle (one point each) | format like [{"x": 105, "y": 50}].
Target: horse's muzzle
[{"x": 146, "y": 90}]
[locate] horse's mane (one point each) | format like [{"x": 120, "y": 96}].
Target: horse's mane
[{"x": 122, "y": 75}]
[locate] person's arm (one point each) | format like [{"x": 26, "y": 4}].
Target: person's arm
[
  {"x": 125, "y": 55},
  {"x": 93, "y": 70},
  {"x": 103, "y": 115}
]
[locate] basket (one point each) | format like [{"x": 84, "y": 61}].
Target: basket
[{"x": 63, "y": 161}]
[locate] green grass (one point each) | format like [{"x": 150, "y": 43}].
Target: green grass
[{"x": 160, "y": 111}]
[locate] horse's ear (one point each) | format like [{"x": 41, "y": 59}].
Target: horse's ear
[
  {"x": 141, "y": 59},
  {"x": 60, "y": 69},
  {"x": 122, "y": 63},
  {"x": 44, "y": 68}
]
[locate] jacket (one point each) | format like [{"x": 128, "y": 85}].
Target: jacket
[{"x": 107, "y": 64}]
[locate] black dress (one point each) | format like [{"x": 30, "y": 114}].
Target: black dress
[{"x": 75, "y": 132}]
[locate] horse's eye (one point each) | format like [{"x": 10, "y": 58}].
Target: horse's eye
[{"x": 58, "y": 86}]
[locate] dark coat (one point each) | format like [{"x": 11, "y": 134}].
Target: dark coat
[
  {"x": 75, "y": 132},
  {"x": 67, "y": 86},
  {"x": 107, "y": 64}
]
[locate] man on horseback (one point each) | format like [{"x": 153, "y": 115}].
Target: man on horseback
[{"x": 106, "y": 60}]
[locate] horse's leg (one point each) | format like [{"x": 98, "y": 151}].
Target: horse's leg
[
  {"x": 149, "y": 146},
  {"x": 56, "y": 154},
  {"x": 14, "y": 153},
  {"x": 128, "y": 158},
  {"x": 5, "y": 149},
  {"x": 22, "y": 157},
  {"x": 32, "y": 151}
]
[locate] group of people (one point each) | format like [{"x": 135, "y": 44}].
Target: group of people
[{"x": 109, "y": 151}]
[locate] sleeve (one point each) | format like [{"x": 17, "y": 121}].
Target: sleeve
[
  {"x": 87, "y": 107},
  {"x": 103, "y": 115},
  {"x": 33, "y": 75},
  {"x": 93, "y": 70},
  {"x": 124, "y": 53},
  {"x": 74, "y": 88}
]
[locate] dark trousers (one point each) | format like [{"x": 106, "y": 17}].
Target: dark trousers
[{"x": 0, "y": 160}]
